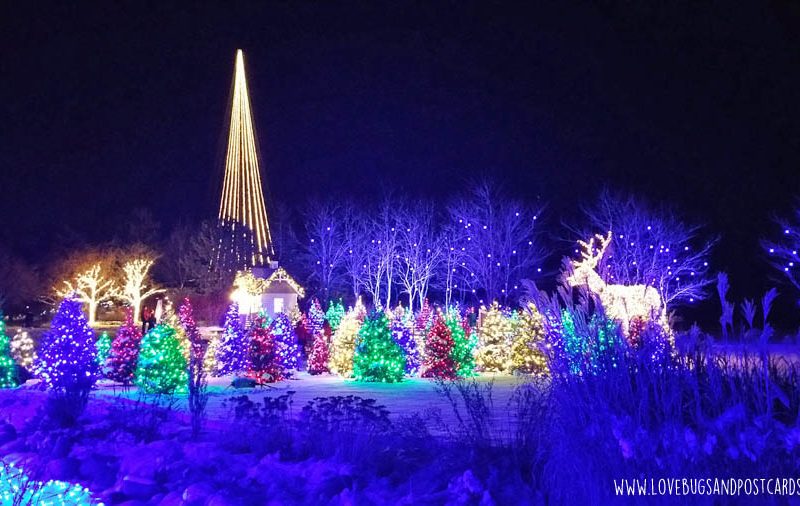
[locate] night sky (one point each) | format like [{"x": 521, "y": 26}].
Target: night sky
[{"x": 110, "y": 106}]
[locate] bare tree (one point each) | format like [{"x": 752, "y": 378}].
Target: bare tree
[
  {"x": 452, "y": 275},
  {"x": 136, "y": 285},
  {"x": 89, "y": 275},
  {"x": 355, "y": 233},
  {"x": 380, "y": 253},
  {"x": 782, "y": 250},
  {"x": 501, "y": 246},
  {"x": 327, "y": 248},
  {"x": 91, "y": 287},
  {"x": 418, "y": 251},
  {"x": 651, "y": 247}
]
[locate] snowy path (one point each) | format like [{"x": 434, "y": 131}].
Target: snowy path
[{"x": 413, "y": 395}]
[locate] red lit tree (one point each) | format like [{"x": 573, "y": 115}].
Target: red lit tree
[
  {"x": 438, "y": 351},
  {"x": 263, "y": 366}
]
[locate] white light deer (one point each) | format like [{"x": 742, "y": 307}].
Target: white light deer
[{"x": 622, "y": 303}]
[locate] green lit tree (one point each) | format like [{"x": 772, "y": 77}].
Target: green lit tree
[
  {"x": 161, "y": 368},
  {"x": 378, "y": 357},
  {"x": 463, "y": 345},
  {"x": 8, "y": 372}
]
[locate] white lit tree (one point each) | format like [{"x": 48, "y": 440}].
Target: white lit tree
[
  {"x": 136, "y": 283},
  {"x": 91, "y": 287}
]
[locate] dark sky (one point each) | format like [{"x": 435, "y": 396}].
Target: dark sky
[{"x": 109, "y": 106}]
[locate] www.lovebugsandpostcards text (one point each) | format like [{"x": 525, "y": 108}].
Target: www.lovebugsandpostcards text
[{"x": 707, "y": 487}]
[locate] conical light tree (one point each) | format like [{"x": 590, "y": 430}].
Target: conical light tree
[
  {"x": 378, "y": 357},
  {"x": 463, "y": 344},
  {"x": 263, "y": 365},
  {"x": 439, "y": 351},
  {"x": 8, "y": 373},
  {"x": 287, "y": 349},
  {"x": 161, "y": 367},
  {"x": 343, "y": 344},
  {"x": 233, "y": 348},
  {"x": 121, "y": 363},
  {"x": 403, "y": 335},
  {"x": 246, "y": 239},
  {"x": 527, "y": 354},
  {"x": 334, "y": 314},
  {"x": 103, "y": 348},
  {"x": 495, "y": 336},
  {"x": 67, "y": 357}
]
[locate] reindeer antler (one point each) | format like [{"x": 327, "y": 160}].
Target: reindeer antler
[{"x": 588, "y": 256}]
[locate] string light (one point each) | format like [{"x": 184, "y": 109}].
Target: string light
[{"x": 242, "y": 202}]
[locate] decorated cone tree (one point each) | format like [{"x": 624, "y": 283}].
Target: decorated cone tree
[
  {"x": 263, "y": 366},
  {"x": 438, "y": 361},
  {"x": 103, "y": 349},
  {"x": 315, "y": 318},
  {"x": 495, "y": 334},
  {"x": 424, "y": 319},
  {"x": 320, "y": 354},
  {"x": 377, "y": 356},
  {"x": 343, "y": 345},
  {"x": 404, "y": 337},
  {"x": 196, "y": 343},
  {"x": 286, "y": 348},
  {"x": 233, "y": 350},
  {"x": 526, "y": 351},
  {"x": 334, "y": 314},
  {"x": 161, "y": 367},
  {"x": 8, "y": 372},
  {"x": 121, "y": 363},
  {"x": 463, "y": 345},
  {"x": 67, "y": 357},
  {"x": 23, "y": 350}
]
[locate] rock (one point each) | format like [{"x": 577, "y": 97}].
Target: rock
[
  {"x": 222, "y": 500},
  {"x": 7, "y": 433},
  {"x": 171, "y": 499},
  {"x": 197, "y": 493},
  {"x": 152, "y": 461},
  {"x": 243, "y": 383},
  {"x": 100, "y": 470},
  {"x": 139, "y": 488},
  {"x": 61, "y": 469}
]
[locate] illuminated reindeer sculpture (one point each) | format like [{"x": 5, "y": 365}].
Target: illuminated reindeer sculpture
[{"x": 622, "y": 303}]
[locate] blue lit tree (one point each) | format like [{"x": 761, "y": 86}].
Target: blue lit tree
[
  {"x": 233, "y": 351},
  {"x": 287, "y": 349},
  {"x": 68, "y": 361},
  {"x": 404, "y": 336}
]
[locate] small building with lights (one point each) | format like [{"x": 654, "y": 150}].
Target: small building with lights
[{"x": 270, "y": 289}]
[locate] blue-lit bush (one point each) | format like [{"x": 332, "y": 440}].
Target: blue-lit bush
[{"x": 17, "y": 488}]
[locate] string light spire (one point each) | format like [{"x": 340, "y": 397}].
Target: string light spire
[{"x": 245, "y": 241}]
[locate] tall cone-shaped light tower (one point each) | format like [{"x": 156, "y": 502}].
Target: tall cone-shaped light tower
[{"x": 244, "y": 239}]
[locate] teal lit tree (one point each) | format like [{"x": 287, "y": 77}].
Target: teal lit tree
[
  {"x": 378, "y": 357},
  {"x": 8, "y": 369},
  {"x": 103, "y": 348},
  {"x": 334, "y": 314},
  {"x": 161, "y": 368}
]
